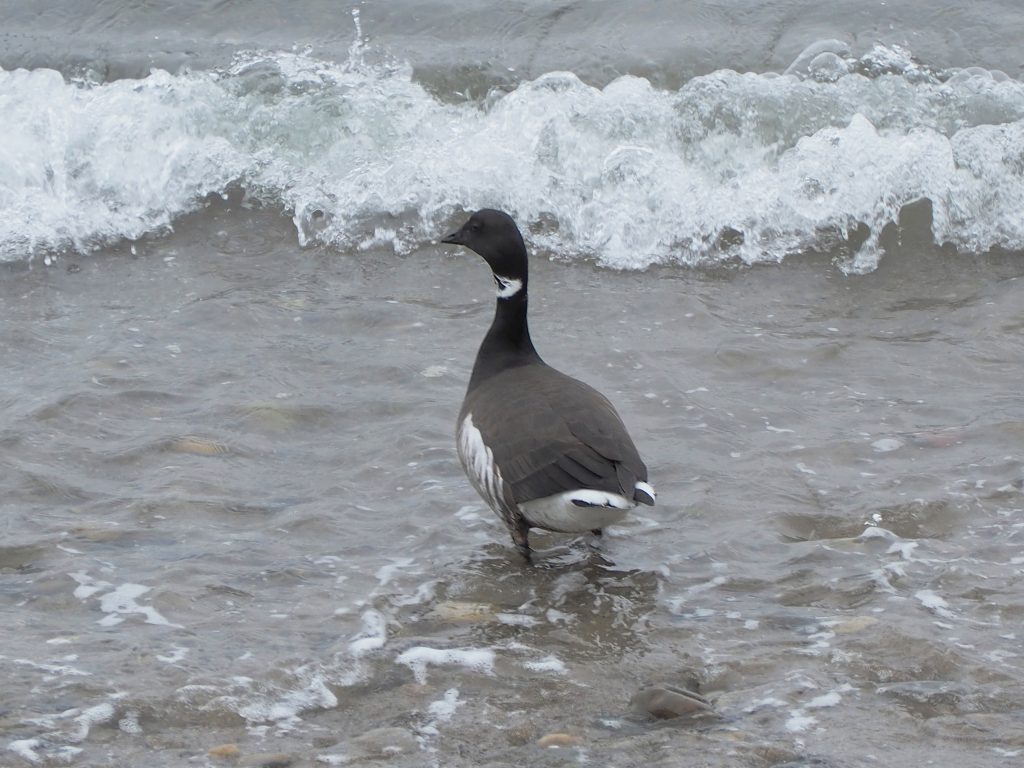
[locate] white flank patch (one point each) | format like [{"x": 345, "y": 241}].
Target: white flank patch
[
  {"x": 478, "y": 461},
  {"x": 507, "y": 286},
  {"x": 558, "y": 513},
  {"x": 599, "y": 498},
  {"x": 645, "y": 488}
]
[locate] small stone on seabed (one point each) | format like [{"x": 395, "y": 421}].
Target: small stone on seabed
[
  {"x": 462, "y": 611},
  {"x": 668, "y": 701},
  {"x": 385, "y": 741},
  {"x": 268, "y": 760},
  {"x": 225, "y": 752},
  {"x": 559, "y": 740},
  {"x": 518, "y": 735},
  {"x": 855, "y": 624}
]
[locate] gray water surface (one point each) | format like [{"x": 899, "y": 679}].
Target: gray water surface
[
  {"x": 456, "y": 45},
  {"x": 233, "y": 527},
  {"x": 233, "y": 513}
]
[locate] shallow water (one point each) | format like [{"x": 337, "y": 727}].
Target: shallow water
[
  {"x": 234, "y": 513},
  {"x": 234, "y": 527}
]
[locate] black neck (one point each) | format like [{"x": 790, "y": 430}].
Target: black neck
[{"x": 507, "y": 343}]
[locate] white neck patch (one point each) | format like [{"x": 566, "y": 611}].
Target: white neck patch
[{"x": 507, "y": 286}]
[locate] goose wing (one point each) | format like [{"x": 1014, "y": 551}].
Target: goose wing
[{"x": 550, "y": 433}]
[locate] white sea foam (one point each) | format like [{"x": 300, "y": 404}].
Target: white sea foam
[
  {"x": 420, "y": 657},
  {"x": 53, "y": 670},
  {"x": 26, "y": 749},
  {"x": 386, "y": 572},
  {"x": 547, "y": 664},
  {"x": 934, "y": 603},
  {"x": 178, "y": 653},
  {"x": 444, "y": 708},
  {"x": 732, "y": 166},
  {"x": 130, "y": 724},
  {"x": 95, "y": 715},
  {"x": 830, "y": 699},
  {"x": 118, "y": 601},
  {"x": 372, "y": 635},
  {"x": 799, "y": 721},
  {"x": 284, "y": 707},
  {"x": 123, "y": 600}
]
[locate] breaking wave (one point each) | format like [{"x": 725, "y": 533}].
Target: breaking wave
[{"x": 732, "y": 167}]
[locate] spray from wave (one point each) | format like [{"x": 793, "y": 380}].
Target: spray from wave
[{"x": 731, "y": 167}]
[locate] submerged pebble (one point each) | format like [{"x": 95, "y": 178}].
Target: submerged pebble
[
  {"x": 99, "y": 535},
  {"x": 667, "y": 701},
  {"x": 854, "y": 624},
  {"x": 554, "y": 740},
  {"x": 379, "y": 742},
  {"x": 270, "y": 416},
  {"x": 225, "y": 752},
  {"x": 519, "y": 735},
  {"x": 198, "y": 446},
  {"x": 462, "y": 611}
]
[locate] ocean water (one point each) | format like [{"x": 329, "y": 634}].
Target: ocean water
[{"x": 785, "y": 239}]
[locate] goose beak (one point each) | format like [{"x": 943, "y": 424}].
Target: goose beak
[{"x": 455, "y": 238}]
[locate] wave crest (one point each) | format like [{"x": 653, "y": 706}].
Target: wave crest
[{"x": 731, "y": 167}]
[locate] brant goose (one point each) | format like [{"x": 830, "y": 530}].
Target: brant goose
[{"x": 543, "y": 449}]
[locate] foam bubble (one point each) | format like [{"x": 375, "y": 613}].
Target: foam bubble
[
  {"x": 283, "y": 708},
  {"x": 420, "y": 657},
  {"x": 177, "y": 653},
  {"x": 444, "y": 708},
  {"x": 547, "y": 664},
  {"x": 799, "y": 721},
  {"x": 26, "y": 749},
  {"x": 830, "y": 699},
  {"x": 372, "y": 635},
  {"x": 934, "y": 603},
  {"x": 118, "y": 601},
  {"x": 83, "y": 165},
  {"x": 95, "y": 715}
]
